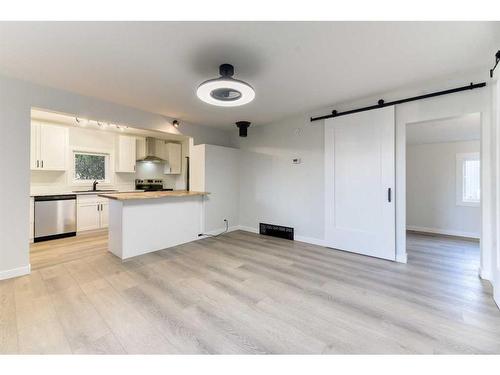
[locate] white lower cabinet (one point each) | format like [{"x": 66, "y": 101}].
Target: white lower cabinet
[
  {"x": 92, "y": 213},
  {"x": 104, "y": 215}
]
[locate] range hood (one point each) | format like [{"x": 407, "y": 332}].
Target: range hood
[{"x": 151, "y": 153}]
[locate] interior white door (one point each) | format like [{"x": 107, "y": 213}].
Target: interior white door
[{"x": 359, "y": 183}]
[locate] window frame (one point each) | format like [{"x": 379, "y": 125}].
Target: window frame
[
  {"x": 460, "y": 159},
  {"x": 107, "y": 166}
]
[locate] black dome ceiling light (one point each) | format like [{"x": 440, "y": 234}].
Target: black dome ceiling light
[
  {"x": 225, "y": 91},
  {"x": 243, "y": 126}
]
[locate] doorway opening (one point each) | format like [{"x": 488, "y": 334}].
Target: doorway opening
[{"x": 443, "y": 195}]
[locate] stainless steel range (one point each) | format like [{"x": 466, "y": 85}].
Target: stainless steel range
[{"x": 150, "y": 185}]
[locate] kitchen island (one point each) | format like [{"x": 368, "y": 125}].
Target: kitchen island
[{"x": 143, "y": 222}]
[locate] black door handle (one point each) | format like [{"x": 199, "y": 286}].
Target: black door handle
[{"x": 389, "y": 194}]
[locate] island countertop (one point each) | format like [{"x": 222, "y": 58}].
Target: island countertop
[{"x": 153, "y": 195}]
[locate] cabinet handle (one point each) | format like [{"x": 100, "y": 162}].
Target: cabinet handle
[
  {"x": 389, "y": 195},
  {"x": 38, "y": 163},
  {"x": 42, "y": 163},
  {"x": 97, "y": 207}
]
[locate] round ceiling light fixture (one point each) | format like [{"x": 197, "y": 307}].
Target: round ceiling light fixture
[{"x": 225, "y": 91}]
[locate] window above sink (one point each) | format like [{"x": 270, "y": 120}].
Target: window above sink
[{"x": 91, "y": 166}]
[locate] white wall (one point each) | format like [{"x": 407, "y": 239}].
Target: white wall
[
  {"x": 16, "y": 100},
  {"x": 216, "y": 169},
  {"x": 495, "y": 137},
  {"x": 431, "y": 190},
  {"x": 276, "y": 191},
  {"x": 295, "y": 196}
]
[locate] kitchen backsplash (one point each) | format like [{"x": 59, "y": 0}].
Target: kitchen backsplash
[{"x": 43, "y": 182}]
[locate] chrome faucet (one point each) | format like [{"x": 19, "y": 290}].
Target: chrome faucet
[{"x": 94, "y": 185}]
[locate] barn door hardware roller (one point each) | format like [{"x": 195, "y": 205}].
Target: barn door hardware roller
[{"x": 381, "y": 103}]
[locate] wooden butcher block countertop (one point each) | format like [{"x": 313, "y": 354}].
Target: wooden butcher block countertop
[{"x": 153, "y": 195}]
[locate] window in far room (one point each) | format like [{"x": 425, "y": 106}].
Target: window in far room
[{"x": 468, "y": 179}]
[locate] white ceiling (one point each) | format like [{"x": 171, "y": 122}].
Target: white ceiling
[
  {"x": 294, "y": 67},
  {"x": 455, "y": 129}
]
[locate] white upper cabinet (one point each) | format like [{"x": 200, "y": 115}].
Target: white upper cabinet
[
  {"x": 49, "y": 144},
  {"x": 126, "y": 154},
  {"x": 35, "y": 146},
  {"x": 140, "y": 151},
  {"x": 161, "y": 149},
  {"x": 174, "y": 158}
]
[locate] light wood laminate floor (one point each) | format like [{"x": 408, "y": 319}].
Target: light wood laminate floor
[
  {"x": 245, "y": 293},
  {"x": 50, "y": 253}
]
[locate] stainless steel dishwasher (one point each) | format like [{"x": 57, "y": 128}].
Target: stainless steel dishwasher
[{"x": 55, "y": 217}]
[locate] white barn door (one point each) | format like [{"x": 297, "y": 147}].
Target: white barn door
[{"x": 360, "y": 211}]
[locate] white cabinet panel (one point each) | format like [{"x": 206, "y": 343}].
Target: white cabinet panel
[
  {"x": 92, "y": 212},
  {"x": 174, "y": 158},
  {"x": 35, "y": 146},
  {"x": 104, "y": 215},
  {"x": 126, "y": 154},
  {"x": 140, "y": 148},
  {"x": 53, "y": 141},
  {"x": 48, "y": 147},
  {"x": 161, "y": 149},
  {"x": 88, "y": 216}
]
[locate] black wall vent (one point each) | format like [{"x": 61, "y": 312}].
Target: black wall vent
[{"x": 276, "y": 231}]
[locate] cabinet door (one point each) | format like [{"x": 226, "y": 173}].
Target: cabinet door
[
  {"x": 104, "y": 215},
  {"x": 125, "y": 159},
  {"x": 174, "y": 158},
  {"x": 35, "y": 146},
  {"x": 160, "y": 149},
  {"x": 88, "y": 216},
  {"x": 53, "y": 141},
  {"x": 140, "y": 148}
]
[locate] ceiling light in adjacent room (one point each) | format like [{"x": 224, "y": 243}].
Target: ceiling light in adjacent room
[{"x": 225, "y": 91}]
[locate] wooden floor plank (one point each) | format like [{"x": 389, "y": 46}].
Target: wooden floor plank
[{"x": 243, "y": 293}]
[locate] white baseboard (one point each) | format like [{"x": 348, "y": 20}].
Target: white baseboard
[
  {"x": 309, "y": 240},
  {"x": 442, "y": 231},
  {"x": 248, "y": 229},
  {"x": 15, "y": 272},
  {"x": 220, "y": 230},
  {"x": 485, "y": 274},
  {"x": 402, "y": 258}
]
